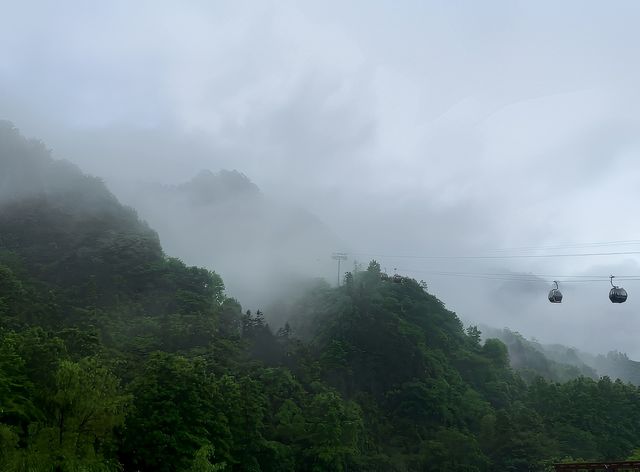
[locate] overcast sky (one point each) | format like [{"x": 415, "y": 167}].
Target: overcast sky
[{"x": 410, "y": 128}]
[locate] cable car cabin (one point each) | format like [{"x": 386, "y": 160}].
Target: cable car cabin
[
  {"x": 397, "y": 279},
  {"x": 617, "y": 295},
  {"x": 555, "y": 296}
]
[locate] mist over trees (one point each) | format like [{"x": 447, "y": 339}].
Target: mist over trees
[
  {"x": 266, "y": 250},
  {"x": 560, "y": 363},
  {"x": 116, "y": 356}
]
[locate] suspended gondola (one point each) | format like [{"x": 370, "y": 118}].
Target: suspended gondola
[
  {"x": 617, "y": 294},
  {"x": 555, "y": 296}
]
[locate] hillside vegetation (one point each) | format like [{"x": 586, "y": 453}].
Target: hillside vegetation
[{"x": 115, "y": 356}]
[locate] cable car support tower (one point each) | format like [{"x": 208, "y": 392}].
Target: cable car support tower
[{"x": 339, "y": 256}]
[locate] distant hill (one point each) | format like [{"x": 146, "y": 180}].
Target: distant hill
[
  {"x": 616, "y": 365},
  {"x": 208, "y": 188},
  {"x": 531, "y": 359},
  {"x": 561, "y": 363},
  {"x": 263, "y": 249}
]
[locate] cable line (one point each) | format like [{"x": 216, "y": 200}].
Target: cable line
[
  {"x": 505, "y": 278},
  {"x": 508, "y": 256},
  {"x": 616, "y": 295},
  {"x": 593, "y": 277},
  {"x": 627, "y": 242}
]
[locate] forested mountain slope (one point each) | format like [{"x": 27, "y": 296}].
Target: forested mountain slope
[{"x": 114, "y": 356}]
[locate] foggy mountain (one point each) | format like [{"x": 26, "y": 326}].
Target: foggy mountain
[
  {"x": 68, "y": 230},
  {"x": 560, "y": 363},
  {"x": 263, "y": 249}
]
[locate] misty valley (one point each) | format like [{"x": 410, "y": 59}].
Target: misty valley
[{"x": 119, "y": 353}]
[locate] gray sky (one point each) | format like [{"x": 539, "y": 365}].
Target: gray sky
[{"x": 407, "y": 127}]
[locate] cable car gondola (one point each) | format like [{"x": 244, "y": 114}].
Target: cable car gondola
[
  {"x": 617, "y": 294},
  {"x": 555, "y": 296}
]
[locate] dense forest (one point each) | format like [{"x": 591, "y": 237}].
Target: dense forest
[{"x": 115, "y": 356}]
